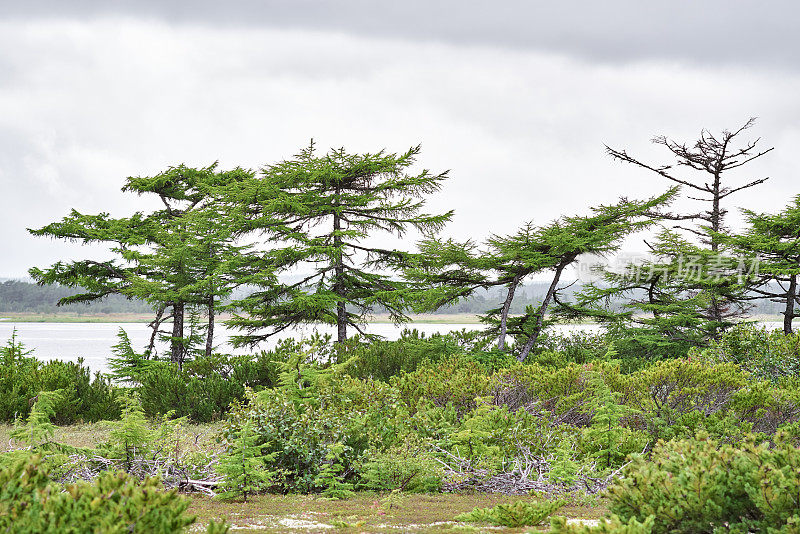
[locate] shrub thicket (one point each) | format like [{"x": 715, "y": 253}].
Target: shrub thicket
[
  {"x": 701, "y": 485},
  {"x": 113, "y": 503},
  {"x": 82, "y": 398}
]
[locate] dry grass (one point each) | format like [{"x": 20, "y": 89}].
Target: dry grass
[
  {"x": 363, "y": 513},
  {"x": 90, "y": 435}
]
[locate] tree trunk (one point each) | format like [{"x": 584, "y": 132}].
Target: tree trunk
[
  {"x": 791, "y": 297},
  {"x": 716, "y": 226},
  {"x": 210, "y": 332},
  {"x": 155, "y": 325},
  {"x": 542, "y": 310},
  {"x": 716, "y": 216},
  {"x": 512, "y": 287},
  {"x": 338, "y": 284},
  {"x": 176, "y": 344}
]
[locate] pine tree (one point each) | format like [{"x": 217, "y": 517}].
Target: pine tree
[
  {"x": 244, "y": 465},
  {"x": 38, "y": 429},
  {"x": 453, "y": 270},
  {"x": 176, "y": 258},
  {"x": 772, "y": 245},
  {"x": 131, "y": 433},
  {"x": 669, "y": 303},
  {"x": 606, "y": 430},
  {"x": 689, "y": 291},
  {"x": 318, "y": 211}
]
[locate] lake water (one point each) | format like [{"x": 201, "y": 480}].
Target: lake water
[{"x": 93, "y": 341}]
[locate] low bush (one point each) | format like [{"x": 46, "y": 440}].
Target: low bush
[
  {"x": 114, "y": 503},
  {"x": 166, "y": 388},
  {"x": 83, "y": 398},
  {"x": 456, "y": 380},
  {"x": 204, "y": 388},
  {"x": 382, "y": 360},
  {"x": 766, "y": 354},
  {"x": 701, "y": 485},
  {"x": 614, "y": 525},
  {"x": 407, "y": 467},
  {"x": 315, "y": 428},
  {"x": 519, "y": 514}
]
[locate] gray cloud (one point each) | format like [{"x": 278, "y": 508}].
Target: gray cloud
[
  {"x": 717, "y": 32},
  {"x": 88, "y": 97}
]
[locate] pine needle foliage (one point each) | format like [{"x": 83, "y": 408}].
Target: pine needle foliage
[
  {"x": 318, "y": 211},
  {"x": 448, "y": 270},
  {"x": 606, "y": 430},
  {"x": 113, "y": 503},
  {"x": 772, "y": 243},
  {"x": 614, "y": 525},
  {"x": 330, "y": 476},
  {"x": 519, "y": 514},
  {"x": 690, "y": 290},
  {"x": 176, "y": 258},
  {"x": 244, "y": 465},
  {"x": 38, "y": 428},
  {"x": 131, "y": 433}
]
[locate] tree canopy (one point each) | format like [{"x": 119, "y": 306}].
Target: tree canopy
[{"x": 316, "y": 212}]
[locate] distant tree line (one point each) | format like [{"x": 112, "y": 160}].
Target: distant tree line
[{"x": 24, "y": 297}]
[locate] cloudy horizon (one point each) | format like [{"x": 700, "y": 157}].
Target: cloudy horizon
[{"x": 516, "y": 100}]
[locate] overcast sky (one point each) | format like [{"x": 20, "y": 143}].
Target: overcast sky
[{"x": 516, "y": 98}]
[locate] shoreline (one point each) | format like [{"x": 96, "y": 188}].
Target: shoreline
[
  {"x": 461, "y": 318},
  {"x": 143, "y": 318}
]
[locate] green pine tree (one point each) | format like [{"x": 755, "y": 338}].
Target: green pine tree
[
  {"x": 131, "y": 434},
  {"x": 244, "y": 465},
  {"x": 38, "y": 430},
  {"x": 317, "y": 211},
  {"x": 771, "y": 244},
  {"x": 177, "y": 258},
  {"x": 446, "y": 270},
  {"x": 689, "y": 291},
  {"x": 606, "y": 431}
]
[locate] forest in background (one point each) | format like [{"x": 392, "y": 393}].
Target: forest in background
[{"x": 20, "y": 296}]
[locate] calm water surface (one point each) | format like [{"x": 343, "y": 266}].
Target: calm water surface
[{"x": 93, "y": 341}]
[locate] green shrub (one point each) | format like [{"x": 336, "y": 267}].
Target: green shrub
[
  {"x": 456, "y": 381},
  {"x": 166, "y": 388},
  {"x": 382, "y": 360},
  {"x": 677, "y": 398},
  {"x": 576, "y": 347},
  {"x": 204, "y": 388},
  {"x": 562, "y": 391},
  {"x": 114, "y": 503},
  {"x": 317, "y": 424},
  {"x": 519, "y": 514},
  {"x": 767, "y": 354},
  {"x": 614, "y": 525},
  {"x": 700, "y": 485},
  {"x": 406, "y": 467},
  {"x": 83, "y": 398}
]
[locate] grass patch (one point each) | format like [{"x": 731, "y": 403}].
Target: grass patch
[
  {"x": 365, "y": 512},
  {"x": 90, "y": 435}
]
